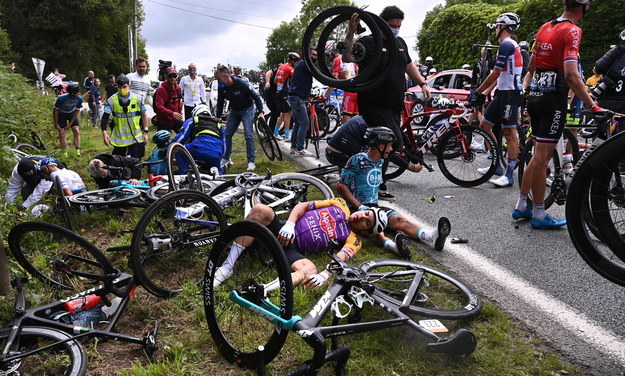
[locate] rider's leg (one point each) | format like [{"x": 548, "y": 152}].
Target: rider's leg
[
  {"x": 76, "y": 132},
  {"x": 536, "y": 171},
  {"x": 62, "y": 139}
]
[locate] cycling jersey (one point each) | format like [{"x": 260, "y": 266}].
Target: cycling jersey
[
  {"x": 67, "y": 105},
  {"x": 282, "y": 78},
  {"x": 557, "y": 42},
  {"x": 203, "y": 145},
  {"x": 363, "y": 177},
  {"x": 612, "y": 65},
  {"x": 25, "y": 173},
  {"x": 349, "y": 138},
  {"x": 68, "y": 179},
  {"x": 510, "y": 62},
  {"x": 325, "y": 224},
  {"x": 343, "y": 71}
]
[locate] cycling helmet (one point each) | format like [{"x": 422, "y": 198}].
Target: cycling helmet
[
  {"x": 379, "y": 135},
  {"x": 161, "y": 137},
  {"x": 73, "y": 87},
  {"x": 293, "y": 56},
  {"x": 429, "y": 58},
  {"x": 622, "y": 36},
  {"x": 512, "y": 20},
  {"x": 380, "y": 220},
  {"x": 47, "y": 161},
  {"x": 200, "y": 109},
  {"x": 524, "y": 45},
  {"x": 466, "y": 66},
  {"x": 122, "y": 79},
  {"x": 330, "y": 46}
]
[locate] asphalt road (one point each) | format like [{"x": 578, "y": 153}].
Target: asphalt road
[{"x": 537, "y": 276}]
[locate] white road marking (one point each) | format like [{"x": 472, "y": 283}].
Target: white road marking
[{"x": 576, "y": 322}]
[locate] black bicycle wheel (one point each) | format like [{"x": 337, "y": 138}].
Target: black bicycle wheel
[
  {"x": 439, "y": 295},
  {"x": 107, "y": 196},
  {"x": 461, "y": 168},
  {"x": 305, "y": 188},
  {"x": 172, "y": 238},
  {"x": 314, "y": 133},
  {"x": 62, "y": 205},
  {"x": 276, "y": 147},
  {"x": 323, "y": 118},
  {"x": 67, "y": 358},
  {"x": 598, "y": 180},
  {"x": 158, "y": 191},
  {"x": 238, "y": 331},
  {"x": 37, "y": 142},
  {"x": 58, "y": 256},
  {"x": 393, "y": 171},
  {"x": 28, "y": 148},
  {"x": 263, "y": 138},
  {"x": 188, "y": 179},
  {"x": 335, "y": 117}
]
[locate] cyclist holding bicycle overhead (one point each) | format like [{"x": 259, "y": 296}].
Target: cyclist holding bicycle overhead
[
  {"x": 312, "y": 227},
  {"x": 553, "y": 69},
  {"x": 359, "y": 185},
  {"x": 503, "y": 110}
]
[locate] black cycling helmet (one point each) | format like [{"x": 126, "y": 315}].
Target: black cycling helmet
[
  {"x": 73, "y": 87},
  {"x": 379, "y": 135},
  {"x": 293, "y": 56},
  {"x": 122, "y": 79}
]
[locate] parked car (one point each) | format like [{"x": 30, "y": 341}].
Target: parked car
[{"x": 454, "y": 84}]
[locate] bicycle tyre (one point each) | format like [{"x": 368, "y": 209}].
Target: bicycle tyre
[
  {"x": 296, "y": 182},
  {"x": 173, "y": 234},
  {"x": 47, "y": 251},
  {"x": 335, "y": 117},
  {"x": 323, "y": 119},
  {"x": 394, "y": 171},
  {"x": 28, "y": 148},
  {"x": 238, "y": 332},
  {"x": 37, "y": 142},
  {"x": 418, "y": 106},
  {"x": 589, "y": 180},
  {"x": 192, "y": 174},
  {"x": 67, "y": 358},
  {"x": 276, "y": 147},
  {"x": 263, "y": 138},
  {"x": 441, "y": 297},
  {"x": 464, "y": 171},
  {"x": 62, "y": 205},
  {"x": 107, "y": 196}
]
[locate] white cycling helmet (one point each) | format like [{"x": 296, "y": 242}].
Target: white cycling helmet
[
  {"x": 466, "y": 66},
  {"x": 200, "y": 109},
  {"x": 622, "y": 36},
  {"x": 381, "y": 220},
  {"x": 330, "y": 46},
  {"x": 512, "y": 20},
  {"x": 429, "y": 58}
]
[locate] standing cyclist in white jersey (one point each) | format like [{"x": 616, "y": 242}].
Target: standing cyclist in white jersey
[{"x": 503, "y": 111}]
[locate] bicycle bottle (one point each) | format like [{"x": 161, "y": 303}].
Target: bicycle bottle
[{"x": 82, "y": 304}]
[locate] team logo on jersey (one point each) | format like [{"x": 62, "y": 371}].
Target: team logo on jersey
[
  {"x": 327, "y": 223},
  {"x": 374, "y": 178}
]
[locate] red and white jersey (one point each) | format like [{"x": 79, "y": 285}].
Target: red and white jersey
[{"x": 510, "y": 62}]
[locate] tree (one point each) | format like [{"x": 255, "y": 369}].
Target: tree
[{"x": 88, "y": 35}]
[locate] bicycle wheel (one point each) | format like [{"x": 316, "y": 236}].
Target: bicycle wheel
[
  {"x": 304, "y": 187},
  {"x": 335, "y": 117},
  {"x": 418, "y": 107},
  {"x": 598, "y": 181},
  {"x": 62, "y": 205},
  {"x": 37, "y": 142},
  {"x": 107, "y": 196},
  {"x": 66, "y": 358},
  {"x": 172, "y": 237},
  {"x": 58, "y": 256},
  {"x": 262, "y": 134},
  {"x": 190, "y": 176},
  {"x": 238, "y": 331},
  {"x": 393, "y": 171},
  {"x": 439, "y": 295},
  {"x": 313, "y": 133},
  {"x": 459, "y": 163},
  {"x": 323, "y": 120},
  {"x": 28, "y": 148}
]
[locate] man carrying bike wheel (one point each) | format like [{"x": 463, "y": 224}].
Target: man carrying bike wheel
[
  {"x": 503, "y": 110},
  {"x": 312, "y": 227},
  {"x": 359, "y": 185},
  {"x": 553, "y": 69}
]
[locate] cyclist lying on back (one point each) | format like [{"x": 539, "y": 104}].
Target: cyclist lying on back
[
  {"x": 359, "y": 185},
  {"x": 128, "y": 169},
  {"x": 312, "y": 227}
]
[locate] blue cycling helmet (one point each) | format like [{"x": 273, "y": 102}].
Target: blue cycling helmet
[
  {"x": 47, "y": 161},
  {"x": 161, "y": 137}
]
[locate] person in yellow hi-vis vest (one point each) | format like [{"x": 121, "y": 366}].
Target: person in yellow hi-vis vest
[{"x": 129, "y": 132}]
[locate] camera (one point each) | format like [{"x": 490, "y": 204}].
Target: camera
[
  {"x": 162, "y": 66},
  {"x": 604, "y": 83}
]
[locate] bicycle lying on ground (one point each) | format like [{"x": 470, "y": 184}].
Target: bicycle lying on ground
[
  {"x": 268, "y": 142},
  {"x": 250, "y": 314},
  {"x": 46, "y": 340}
]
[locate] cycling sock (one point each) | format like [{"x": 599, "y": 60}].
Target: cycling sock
[
  {"x": 235, "y": 251},
  {"x": 511, "y": 165},
  {"x": 521, "y": 203},
  {"x": 276, "y": 130},
  {"x": 287, "y": 134},
  {"x": 539, "y": 210},
  {"x": 390, "y": 245},
  {"x": 427, "y": 234}
]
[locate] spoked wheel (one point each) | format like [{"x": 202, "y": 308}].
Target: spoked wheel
[
  {"x": 335, "y": 117},
  {"x": 181, "y": 161},
  {"x": 172, "y": 237},
  {"x": 439, "y": 295},
  {"x": 237, "y": 331},
  {"x": 28, "y": 148},
  {"x": 393, "y": 171},
  {"x": 58, "y": 256},
  {"x": 331, "y": 24},
  {"x": 37, "y": 142},
  {"x": 323, "y": 118},
  {"x": 67, "y": 358},
  {"x": 459, "y": 161},
  {"x": 107, "y": 196},
  {"x": 263, "y": 135},
  {"x": 303, "y": 186},
  {"x": 62, "y": 204}
]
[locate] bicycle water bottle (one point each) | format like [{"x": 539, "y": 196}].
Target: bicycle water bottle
[
  {"x": 567, "y": 163},
  {"x": 83, "y": 303}
]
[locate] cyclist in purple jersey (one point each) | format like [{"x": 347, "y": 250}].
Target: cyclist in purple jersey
[{"x": 312, "y": 227}]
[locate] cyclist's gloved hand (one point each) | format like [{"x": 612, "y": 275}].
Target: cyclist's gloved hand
[
  {"x": 363, "y": 207},
  {"x": 595, "y": 108},
  {"x": 287, "y": 231},
  {"x": 318, "y": 279},
  {"x": 476, "y": 99}
]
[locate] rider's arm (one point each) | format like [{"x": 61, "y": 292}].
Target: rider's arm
[
  {"x": 349, "y": 37},
  {"x": 489, "y": 81},
  {"x": 417, "y": 78},
  {"x": 15, "y": 185},
  {"x": 298, "y": 211},
  {"x": 602, "y": 66},
  {"x": 342, "y": 189},
  {"x": 40, "y": 190},
  {"x": 576, "y": 83}
]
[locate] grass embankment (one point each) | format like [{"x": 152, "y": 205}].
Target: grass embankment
[{"x": 505, "y": 347}]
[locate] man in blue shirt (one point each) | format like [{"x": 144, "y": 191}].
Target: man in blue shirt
[
  {"x": 65, "y": 115},
  {"x": 242, "y": 98}
]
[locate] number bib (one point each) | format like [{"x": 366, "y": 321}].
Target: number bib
[{"x": 544, "y": 82}]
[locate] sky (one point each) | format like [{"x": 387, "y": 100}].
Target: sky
[{"x": 182, "y": 31}]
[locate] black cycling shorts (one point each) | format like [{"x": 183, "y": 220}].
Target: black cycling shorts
[
  {"x": 283, "y": 105},
  {"x": 291, "y": 251},
  {"x": 65, "y": 118},
  {"x": 548, "y": 117},
  {"x": 503, "y": 110}
]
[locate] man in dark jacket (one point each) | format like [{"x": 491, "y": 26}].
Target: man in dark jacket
[
  {"x": 612, "y": 66},
  {"x": 125, "y": 168}
]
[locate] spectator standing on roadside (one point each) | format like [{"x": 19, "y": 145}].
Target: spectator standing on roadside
[
  {"x": 57, "y": 84},
  {"x": 130, "y": 121},
  {"x": 282, "y": 78},
  {"x": 193, "y": 90},
  {"x": 242, "y": 98},
  {"x": 168, "y": 103},
  {"x": 94, "y": 102},
  {"x": 343, "y": 71},
  {"x": 140, "y": 85},
  {"x": 65, "y": 115},
  {"x": 89, "y": 80},
  {"x": 111, "y": 88}
]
